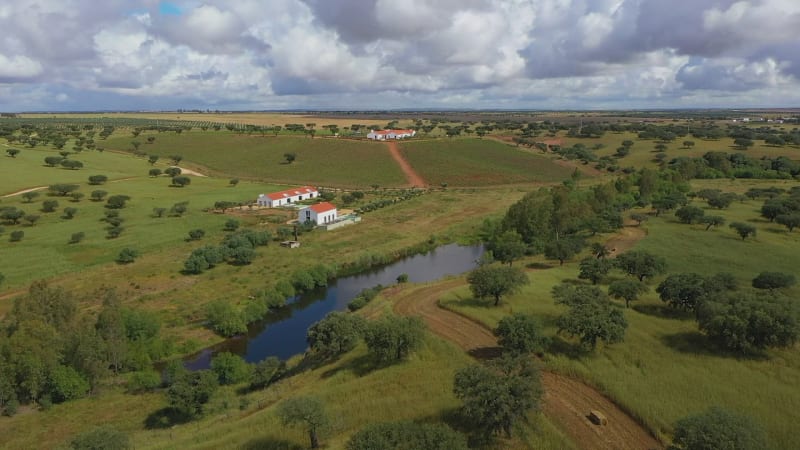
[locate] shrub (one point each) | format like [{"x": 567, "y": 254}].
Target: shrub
[
  {"x": 77, "y": 237},
  {"x": 773, "y": 280},
  {"x": 718, "y": 429},
  {"x": 144, "y": 381},
  {"x": 103, "y": 437},
  {"x": 16, "y": 235},
  {"x": 230, "y": 368},
  {"x": 127, "y": 255}
]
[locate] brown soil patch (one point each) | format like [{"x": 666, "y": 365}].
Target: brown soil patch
[
  {"x": 413, "y": 177},
  {"x": 625, "y": 239}
]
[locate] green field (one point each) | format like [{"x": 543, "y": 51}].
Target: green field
[
  {"x": 320, "y": 161},
  {"x": 665, "y": 370},
  {"x": 478, "y": 162}
]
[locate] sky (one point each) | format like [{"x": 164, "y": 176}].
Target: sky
[{"x": 87, "y": 55}]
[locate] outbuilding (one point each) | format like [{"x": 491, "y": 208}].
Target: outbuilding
[
  {"x": 320, "y": 213},
  {"x": 288, "y": 196},
  {"x": 382, "y": 135}
]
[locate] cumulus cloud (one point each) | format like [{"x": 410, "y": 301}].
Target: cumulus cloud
[{"x": 384, "y": 53}]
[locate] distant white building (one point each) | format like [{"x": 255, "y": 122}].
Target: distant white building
[
  {"x": 382, "y": 135},
  {"x": 281, "y": 198},
  {"x": 320, "y": 213}
]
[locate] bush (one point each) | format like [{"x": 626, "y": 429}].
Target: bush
[
  {"x": 394, "y": 338},
  {"x": 49, "y": 206},
  {"x": 16, "y": 235},
  {"x": 225, "y": 319},
  {"x": 67, "y": 384},
  {"x": 230, "y": 368},
  {"x": 144, "y": 381},
  {"x": 196, "y": 234},
  {"x": 127, "y": 256},
  {"x": 407, "y": 435},
  {"x": 266, "y": 372},
  {"x": 773, "y": 280},
  {"x": 520, "y": 334},
  {"x": 718, "y": 429},
  {"x": 402, "y": 278},
  {"x": 231, "y": 225},
  {"x": 104, "y": 437},
  {"x": 77, "y": 237}
]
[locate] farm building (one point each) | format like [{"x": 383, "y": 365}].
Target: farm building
[
  {"x": 382, "y": 135},
  {"x": 321, "y": 213},
  {"x": 288, "y": 196}
]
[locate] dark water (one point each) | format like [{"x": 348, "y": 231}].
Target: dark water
[{"x": 283, "y": 333}]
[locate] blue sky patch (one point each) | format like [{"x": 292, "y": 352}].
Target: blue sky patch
[{"x": 169, "y": 9}]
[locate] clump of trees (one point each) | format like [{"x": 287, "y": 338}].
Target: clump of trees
[
  {"x": 718, "y": 428},
  {"x": 237, "y": 248},
  {"x": 591, "y": 317}
]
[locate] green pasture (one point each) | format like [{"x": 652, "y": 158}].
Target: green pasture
[
  {"x": 643, "y": 151},
  {"x": 320, "y": 161},
  {"x": 479, "y": 162},
  {"x": 666, "y": 369},
  {"x": 28, "y": 170}
]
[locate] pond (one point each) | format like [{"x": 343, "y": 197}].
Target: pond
[{"x": 283, "y": 332}]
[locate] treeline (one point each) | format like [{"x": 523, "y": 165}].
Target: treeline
[
  {"x": 734, "y": 165},
  {"x": 51, "y": 353}
]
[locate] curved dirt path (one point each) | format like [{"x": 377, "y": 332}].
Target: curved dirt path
[
  {"x": 625, "y": 239},
  {"x": 38, "y": 188},
  {"x": 413, "y": 177},
  {"x": 566, "y": 401}
]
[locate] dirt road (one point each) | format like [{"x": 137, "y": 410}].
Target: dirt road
[
  {"x": 413, "y": 177},
  {"x": 39, "y": 188},
  {"x": 567, "y": 402}
]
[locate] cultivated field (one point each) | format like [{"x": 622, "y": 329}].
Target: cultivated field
[{"x": 477, "y": 162}]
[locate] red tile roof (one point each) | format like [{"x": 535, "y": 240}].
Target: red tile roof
[
  {"x": 383, "y": 132},
  {"x": 291, "y": 192},
  {"x": 322, "y": 207}
]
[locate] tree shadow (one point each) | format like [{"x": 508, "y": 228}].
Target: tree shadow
[
  {"x": 469, "y": 301},
  {"x": 539, "y": 266},
  {"x": 359, "y": 366},
  {"x": 165, "y": 418},
  {"x": 695, "y": 342},
  {"x": 484, "y": 353},
  {"x": 662, "y": 311},
  {"x": 268, "y": 443},
  {"x": 572, "y": 350}
]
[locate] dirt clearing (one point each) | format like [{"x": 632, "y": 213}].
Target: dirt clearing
[{"x": 413, "y": 177}]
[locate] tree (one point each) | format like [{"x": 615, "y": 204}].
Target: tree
[
  {"x": 12, "y": 215},
  {"x": 181, "y": 181},
  {"x": 744, "y": 230},
  {"x": 335, "y": 334},
  {"x": 290, "y": 157},
  {"x": 407, "y": 435},
  {"x": 98, "y": 195},
  {"x": 307, "y": 412},
  {"x": 712, "y": 221},
  {"x": 639, "y": 218},
  {"x": 16, "y": 235},
  {"x": 63, "y": 189},
  {"x": 591, "y": 316},
  {"x": 746, "y": 322},
  {"x": 563, "y": 249},
  {"x": 176, "y": 159},
  {"x": 773, "y": 280},
  {"x": 496, "y": 282},
  {"x": 71, "y": 164},
  {"x": 233, "y": 182},
  {"x": 32, "y": 219},
  {"x": 716, "y": 429},
  {"x": 688, "y": 144},
  {"x": 52, "y": 161},
  {"x": 12, "y": 152},
  {"x": 594, "y": 269},
  {"x": 190, "y": 391},
  {"x": 97, "y": 179},
  {"x": 743, "y": 143},
  {"x": 67, "y": 384},
  {"x": 127, "y": 255},
  {"x": 154, "y": 172},
  {"x": 76, "y": 196},
  {"x": 117, "y": 201},
  {"x": 507, "y": 247},
  {"x": 790, "y": 221},
  {"x": 159, "y": 212},
  {"x": 266, "y": 372},
  {"x": 627, "y": 289},
  {"x": 49, "y": 206},
  {"x": 77, "y": 237},
  {"x": 29, "y": 196},
  {"x": 641, "y": 264},
  {"x": 393, "y": 338},
  {"x": 69, "y": 212},
  {"x": 172, "y": 171},
  {"x": 498, "y": 395},
  {"x": 101, "y": 438},
  {"x": 225, "y": 319},
  {"x": 230, "y": 368},
  {"x": 689, "y": 214},
  {"x": 152, "y": 159},
  {"x": 179, "y": 209},
  {"x": 683, "y": 290},
  {"x": 196, "y": 234},
  {"x": 520, "y": 334}
]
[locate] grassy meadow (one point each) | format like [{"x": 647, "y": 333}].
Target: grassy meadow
[
  {"x": 479, "y": 162},
  {"x": 665, "y": 369},
  {"x": 320, "y": 161}
]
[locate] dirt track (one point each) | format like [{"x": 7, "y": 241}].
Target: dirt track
[
  {"x": 566, "y": 401},
  {"x": 413, "y": 177}
]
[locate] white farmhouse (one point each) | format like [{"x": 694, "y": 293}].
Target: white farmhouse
[
  {"x": 288, "y": 196},
  {"x": 320, "y": 213},
  {"x": 382, "y": 135}
]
